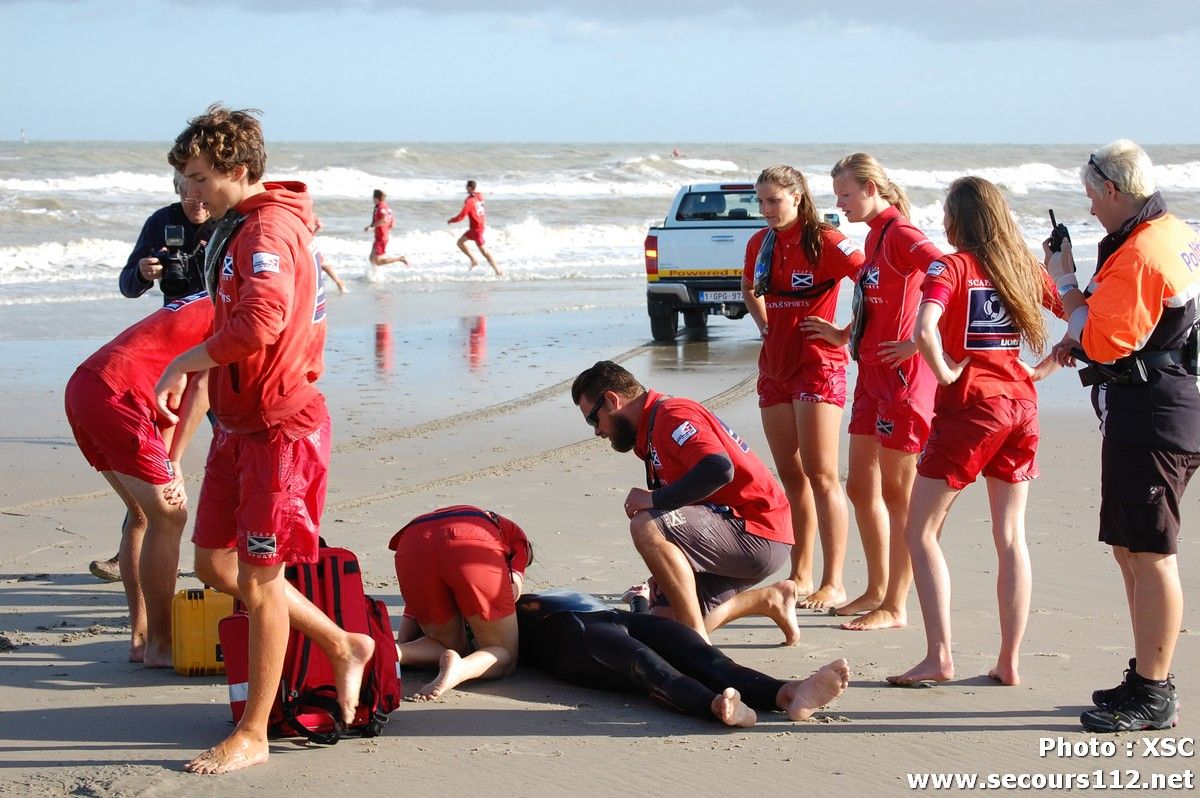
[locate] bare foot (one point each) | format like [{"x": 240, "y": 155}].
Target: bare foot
[
  {"x": 474, "y": 263},
  {"x": 348, "y": 673},
  {"x": 730, "y": 710},
  {"x": 235, "y": 752},
  {"x": 781, "y": 608},
  {"x": 403, "y": 260},
  {"x": 803, "y": 586},
  {"x": 1008, "y": 676},
  {"x": 157, "y": 657},
  {"x": 801, "y": 698},
  {"x": 864, "y": 603},
  {"x": 926, "y": 670},
  {"x": 448, "y": 676},
  {"x": 877, "y": 619},
  {"x": 823, "y": 599},
  {"x": 137, "y": 650}
]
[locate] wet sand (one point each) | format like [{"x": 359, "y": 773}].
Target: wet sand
[{"x": 433, "y": 409}]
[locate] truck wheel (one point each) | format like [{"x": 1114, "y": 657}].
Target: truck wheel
[
  {"x": 664, "y": 326},
  {"x": 695, "y": 319}
]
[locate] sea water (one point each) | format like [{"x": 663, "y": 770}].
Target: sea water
[{"x": 71, "y": 211}]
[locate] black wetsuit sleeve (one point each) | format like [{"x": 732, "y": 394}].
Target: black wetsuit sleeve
[
  {"x": 713, "y": 472},
  {"x": 149, "y": 241}
]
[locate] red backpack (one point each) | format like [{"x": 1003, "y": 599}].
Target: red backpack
[{"x": 307, "y": 705}]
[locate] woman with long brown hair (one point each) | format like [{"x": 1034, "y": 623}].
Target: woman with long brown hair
[
  {"x": 977, "y": 308},
  {"x": 792, "y": 272}
]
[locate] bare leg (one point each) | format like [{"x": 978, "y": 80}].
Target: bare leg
[
  {"x": 730, "y": 710},
  {"x": 1014, "y": 581},
  {"x": 495, "y": 656},
  {"x": 817, "y": 424},
  {"x": 491, "y": 261},
  {"x": 777, "y": 602},
  {"x": 348, "y": 652},
  {"x": 866, "y": 496},
  {"x": 1157, "y": 612},
  {"x": 462, "y": 244},
  {"x": 801, "y": 698},
  {"x": 384, "y": 260},
  {"x": 931, "y": 501},
  {"x": 153, "y": 571},
  {"x": 672, "y": 572},
  {"x": 261, "y": 590},
  {"x": 898, "y": 470},
  {"x": 779, "y": 425}
]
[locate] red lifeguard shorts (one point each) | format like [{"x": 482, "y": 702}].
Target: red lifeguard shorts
[
  {"x": 264, "y": 494},
  {"x": 895, "y": 405},
  {"x": 116, "y": 431},
  {"x": 818, "y": 384},
  {"x": 474, "y": 235},
  {"x": 456, "y": 567},
  {"x": 997, "y": 436},
  {"x": 379, "y": 247}
]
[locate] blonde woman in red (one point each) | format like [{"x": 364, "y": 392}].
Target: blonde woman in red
[
  {"x": 977, "y": 308},
  {"x": 893, "y": 395},
  {"x": 792, "y": 271}
]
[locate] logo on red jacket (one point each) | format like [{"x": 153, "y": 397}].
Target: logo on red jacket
[
  {"x": 227, "y": 268},
  {"x": 871, "y": 277},
  {"x": 802, "y": 280},
  {"x": 683, "y": 433},
  {"x": 989, "y": 325},
  {"x": 935, "y": 269},
  {"x": 265, "y": 262}
]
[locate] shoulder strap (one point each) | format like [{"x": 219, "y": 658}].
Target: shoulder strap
[{"x": 652, "y": 480}]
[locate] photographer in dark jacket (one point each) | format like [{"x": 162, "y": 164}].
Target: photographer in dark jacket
[{"x": 145, "y": 266}]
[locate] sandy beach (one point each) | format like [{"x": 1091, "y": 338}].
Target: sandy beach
[{"x": 430, "y": 408}]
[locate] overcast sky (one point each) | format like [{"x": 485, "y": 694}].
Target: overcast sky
[{"x": 608, "y": 70}]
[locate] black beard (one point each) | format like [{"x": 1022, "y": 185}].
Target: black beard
[{"x": 624, "y": 434}]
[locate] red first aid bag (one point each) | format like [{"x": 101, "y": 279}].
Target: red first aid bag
[{"x": 306, "y": 704}]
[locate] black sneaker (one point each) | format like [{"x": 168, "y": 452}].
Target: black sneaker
[
  {"x": 1107, "y": 699},
  {"x": 1143, "y": 706}
]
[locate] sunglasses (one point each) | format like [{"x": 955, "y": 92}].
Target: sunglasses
[
  {"x": 1092, "y": 163},
  {"x": 593, "y": 417}
]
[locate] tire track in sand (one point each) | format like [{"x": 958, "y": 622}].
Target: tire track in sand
[{"x": 361, "y": 442}]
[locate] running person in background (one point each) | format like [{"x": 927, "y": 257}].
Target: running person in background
[
  {"x": 977, "y": 307},
  {"x": 799, "y": 261},
  {"x": 586, "y": 642},
  {"x": 382, "y": 222},
  {"x": 893, "y": 396},
  {"x": 459, "y": 564},
  {"x": 264, "y": 483},
  {"x": 472, "y": 211},
  {"x": 110, "y": 405}
]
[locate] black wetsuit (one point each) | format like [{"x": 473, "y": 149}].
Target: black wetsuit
[{"x": 581, "y": 640}]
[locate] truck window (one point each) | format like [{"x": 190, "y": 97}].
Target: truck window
[{"x": 708, "y": 206}]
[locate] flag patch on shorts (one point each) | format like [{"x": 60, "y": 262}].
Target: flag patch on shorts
[
  {"x": 260, "y": 545},
  {"x": 683, "y": 433},
  {"x": 884, "y": 426},
  {"x": 265, "y": 262}
]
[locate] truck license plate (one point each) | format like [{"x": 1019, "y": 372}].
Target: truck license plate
[{"x": 721, "y": 296}]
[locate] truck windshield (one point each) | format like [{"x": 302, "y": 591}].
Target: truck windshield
[{"x": 707, "y": 206}]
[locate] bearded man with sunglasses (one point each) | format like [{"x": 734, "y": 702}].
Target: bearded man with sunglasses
[{"x": 712, "y": 521}]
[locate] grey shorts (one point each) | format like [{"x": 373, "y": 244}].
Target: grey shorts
[
  {"x": 726, "y": 558},
  {"x": 1140, "y": 492}
]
